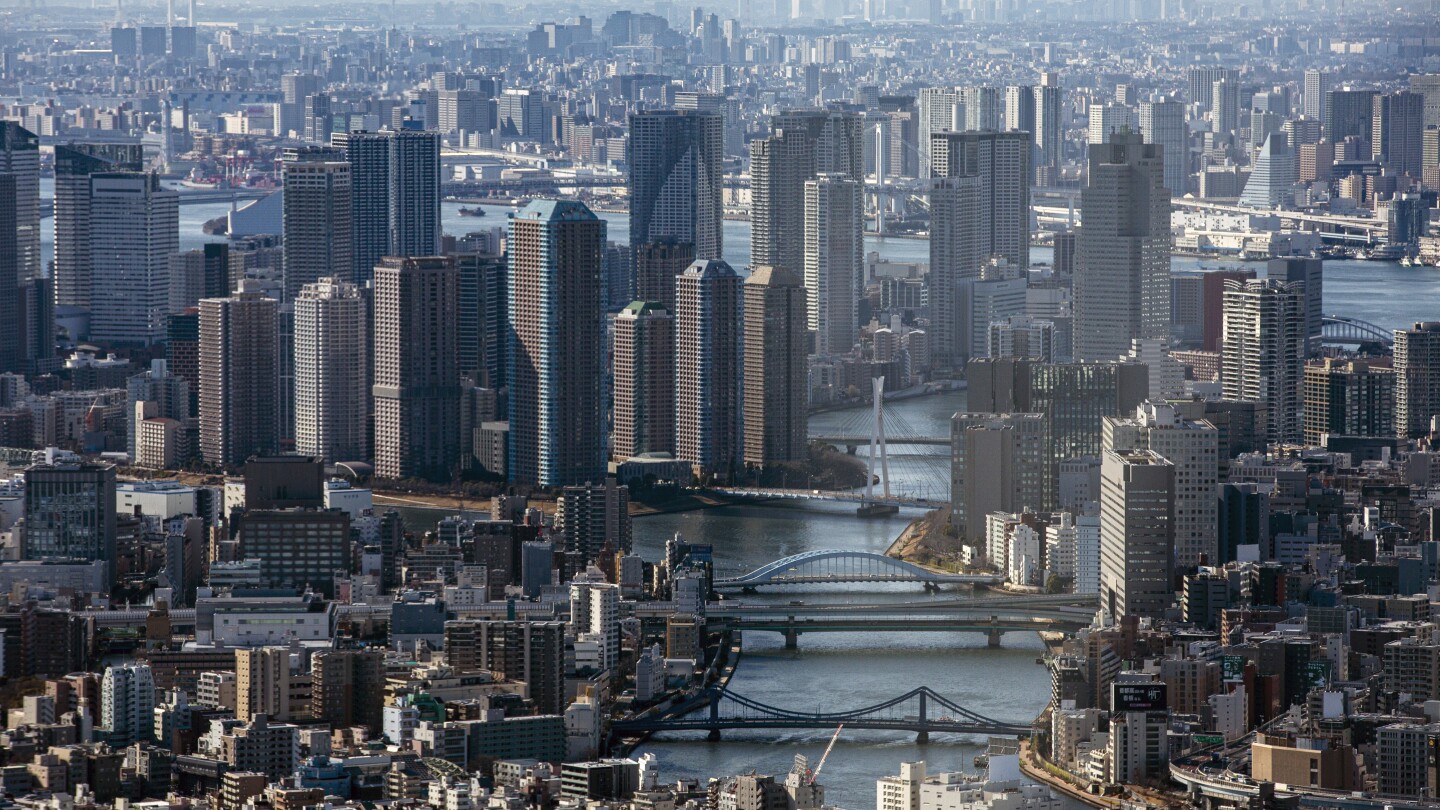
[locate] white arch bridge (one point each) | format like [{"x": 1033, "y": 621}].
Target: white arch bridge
[{"x": 824, "y": 566}]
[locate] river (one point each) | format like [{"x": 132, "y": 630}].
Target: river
[{"x": 849, "y": 670}]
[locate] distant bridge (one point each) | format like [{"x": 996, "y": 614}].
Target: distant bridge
[
  {"x": 860, "y": 441},
  {"x": 205, "y": 197},
  {"x": 836, "y": 566},
  {"x": 793, "y": 621},
  {"x": 1037, "y": 604},
  {"x": 839, "y": 495},
  {"x": 920, "y": 710},
  {"x": 1343, "y": 330}
]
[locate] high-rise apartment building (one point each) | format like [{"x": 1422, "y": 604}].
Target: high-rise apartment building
[
  {"x": 395, "y": 195},
  {"x": 1417, "y": 379},
  {"x": 1049, "y": 121},
  {"x": 318, "y": 118},
  {"x": 1137, "y": 534},
  {"x": 1192, "y": 448},
  {"x": 643, "y": 350},
  {"x": 801, "y": 144},
  {"x": 127, "y": 704},
  {"x": 1163, "y": 122},
  {"x": 1108, "y": 119},
  {"x": 895, "y": 130},
  {"x": 533, "y": 652},
  {"x": 657, "y": 265},
  {"x": 955, "y": 258},
  {"x": 556, "y": 351},
  {"x": 1122, "y": 262},
  {"x": 74, "y": 165},
  {"x": 20, "y": 156},
  {"x": 707, "y": 367},
  {"x": 676, "y": 179},
  {"x": 368, "y": 154},
  {"x": 1225, "y": 108},
  {"x": 417, "y": 373},
  {"x": 1002, "y": 162},
  {"x": 1020, "y": 110},
  {"x": 982, "y": 108},
  {"x": 1349, "y": 112},
  {"x": 595, "y": 612},
  {"x": 134, "y": 227},
  {"x": 1201, "y": 83},
  {"x": 1263, "y": 352},
  {"x": 1313, "y": 94},
  {"x": 348, "y": 687},
  {"x": 260, "y": 746},
  {"x": 12, "y": 321},
  {"x": 483, "y": 319},
  {"x": 1311, "y": 273},
  {"x": 262, "y": 683},
  {"x": 834, "y": 260},
  {"x": 332, "y": 371},
  {"x": 589, "y": 517},
  {"x": 318, "y": 216},
  {"x": 203, "y": 272},
  {"x": 998, "y": 463},
  {"x": 1397, "y": 123},
  {"x": 1348, "y": 398},
  {"x": 939, "y": 109},
  {"x": 775, "y": 397},
  {"x": 238, "y": 382},
  {"x": 69, "y": 512},
  {"x": 414, "y": 193}
]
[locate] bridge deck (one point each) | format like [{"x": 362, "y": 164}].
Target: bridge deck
[
  {"x": 703, "y": 723},
  {"x": 919, "y": 710}
]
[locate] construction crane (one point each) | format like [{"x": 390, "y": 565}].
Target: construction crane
[{"x": 821, "y": 764}]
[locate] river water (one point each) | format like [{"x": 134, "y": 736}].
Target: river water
[{"x": 844, "y": 670}]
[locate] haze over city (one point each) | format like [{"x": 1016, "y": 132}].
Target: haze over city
[{"x": 917, "y": 404}]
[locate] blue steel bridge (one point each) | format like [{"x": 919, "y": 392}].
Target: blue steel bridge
[{"x": 920, "y": 710}]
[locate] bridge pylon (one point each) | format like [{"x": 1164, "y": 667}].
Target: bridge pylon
[{"x": 877, "y": 441}]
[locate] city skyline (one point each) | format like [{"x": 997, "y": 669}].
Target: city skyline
[{"x": 742, "y": 407}]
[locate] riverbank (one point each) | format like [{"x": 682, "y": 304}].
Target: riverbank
[
  {"x": 687, "y": 501},
  {"x": 1052, "y": 776},
  {"x": 716, "y": 679},
  {"x": 927, "y": 541}
]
